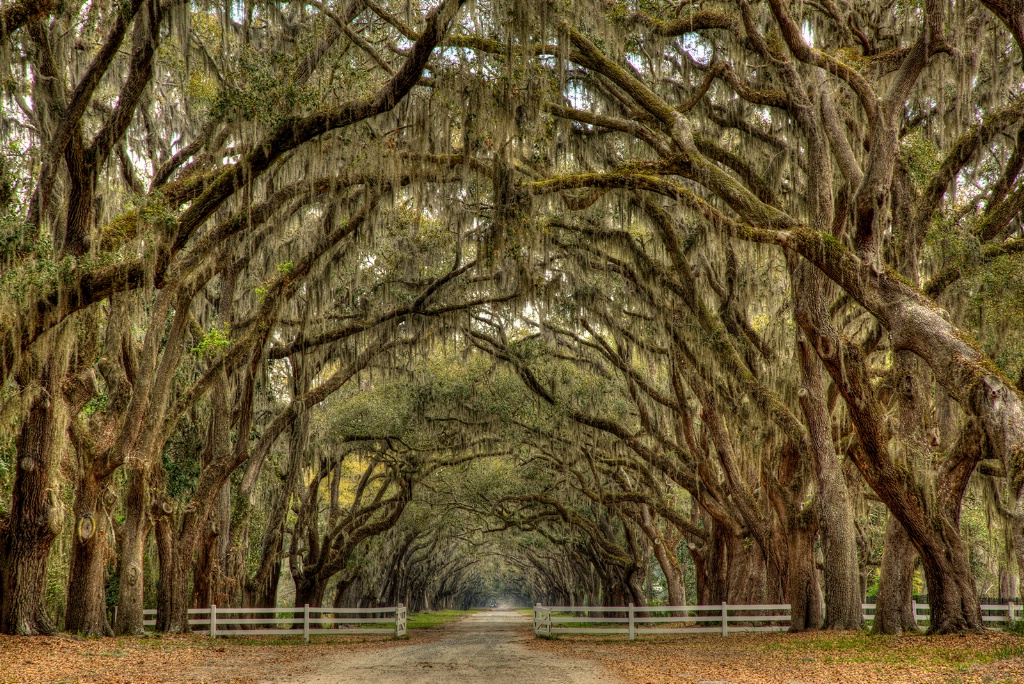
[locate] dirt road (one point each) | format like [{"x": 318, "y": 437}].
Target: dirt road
[{"x": 484, "y": 648}]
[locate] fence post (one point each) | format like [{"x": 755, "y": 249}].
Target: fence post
[
  {"x": 547, "y": 621},
  {"x": 913, "y": 604},
  {"x": 1011, "y": 610},
  {"x": 632, "y": 624},
  {"x": 400, "y": 620},
  {"x": 725, "y": 619},
  {"x": 536, "y": 619},
  {"x": 213, "y": 621},
  {"x": 305, "y": 624}
]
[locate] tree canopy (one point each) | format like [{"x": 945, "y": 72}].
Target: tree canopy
[{"x": 583, "y": 301}]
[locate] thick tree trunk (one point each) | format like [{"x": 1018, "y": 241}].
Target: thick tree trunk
[
  {"x": 802, "y": 586},
  {"x": 711, "y": 566},
  {"x": 86, "y": 603},
  {"x": 136, "y": 528},
  {"x": 345, "y": 591},
  {"x": 35, "y": 518},
  {"x": 938, "y": 543},
  {"x": 175, "y": 620},
  {"x": 914, "y": 323},
  {"x": 832, "y": 504},
  {"x": 748, "y": 581},
  {"x": 207, "y": 570},
  {"x": 209, "y": 585},
  {"x": 894, "y": 604},
  {"x": 309, "y": 591},
  {"x": 195, "y": 520}
]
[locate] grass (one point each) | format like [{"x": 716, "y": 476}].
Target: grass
[
  {"x": 910, "y": 649},
  {"x": 840, "y": 657},
  {"x": 435, "y": 618}
]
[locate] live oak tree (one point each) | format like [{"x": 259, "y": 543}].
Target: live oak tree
[{"x": 721, "y": 277}]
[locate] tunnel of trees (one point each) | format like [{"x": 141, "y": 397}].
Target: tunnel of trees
[{"x": 352, "y": 302}]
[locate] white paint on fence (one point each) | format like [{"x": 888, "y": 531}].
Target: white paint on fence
[
  {"x": 649, "y": 620},
  {"x": 646, "y": 620},
  {"x": 314, "y": 620}
]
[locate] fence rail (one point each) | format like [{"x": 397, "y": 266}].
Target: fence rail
[
  {"x": 310, "y": 619},
  {"x": 651, "y": 620}
]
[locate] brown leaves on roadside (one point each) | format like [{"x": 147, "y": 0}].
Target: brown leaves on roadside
[
  {"x": 160, "y": 659},
  {"x": 809, "y": 658}
]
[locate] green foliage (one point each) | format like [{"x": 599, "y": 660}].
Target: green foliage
[
  {"x": 213, "y": 341},
  {"x": 8, "y": 455},
  {"x": 182, "y": 460},
  {"x": 921, "y": 155},
  {"x": 262, "y": 91},
  {"x": 7, "y": 196}
]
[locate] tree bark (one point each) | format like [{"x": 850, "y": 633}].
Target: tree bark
[
  {"x": 832, "y": 504},
  {"x": 136, "y": 528},
  {"x": 894, "y": 604},
  {"x": 802, "y": 586},
  {"x": 309, "y": 591},
  {"x": 665, "y": 551},
  {"x": 86, "y": 603},
  {"x": 35, "y": 518},
  {"x": 1018, "y": 546},
  {"x": 165, "y": 559}
]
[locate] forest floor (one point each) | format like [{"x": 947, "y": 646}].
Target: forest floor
[
  {"x": 821, "y": 658},
  {"x": 496, "y": 647},
  {"x": 188, "y": 658}
]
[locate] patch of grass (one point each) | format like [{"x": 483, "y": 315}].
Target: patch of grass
[
  {"x": 435, "y": 618},
  {"x": 1016, "y": 627},
  {"x": 907, "y": 649}
]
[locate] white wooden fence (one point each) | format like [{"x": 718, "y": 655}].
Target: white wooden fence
[
  {"x": 313, "y": 620},
  {"x": 999, "y": 613},
  {"x": 721, "y": 619},
  {"x": 716, "y": 619}
]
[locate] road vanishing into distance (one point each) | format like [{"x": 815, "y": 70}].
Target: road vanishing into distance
[{"x": 483, "y": 648}]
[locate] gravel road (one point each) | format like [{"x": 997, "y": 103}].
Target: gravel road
[{"x": 484, "y": 648}]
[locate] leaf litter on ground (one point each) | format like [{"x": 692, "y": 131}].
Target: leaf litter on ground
[{"x": 807, "y": 658}]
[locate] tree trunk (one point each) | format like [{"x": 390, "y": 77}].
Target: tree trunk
[
  {"x": 175, "y": 619},
  {"x": 711, "y": 565},
  {"x": 665, "y": 550},
  {"x": 1018, "y": 547},
  {"x": 86, "y": 603},
  {"x": 832, "y": 504},
  {"x": 35, "y": 518},
  {"x": 165, "y": 557},
  {"x": 261, "y": 591},
  {"x": 894, "y": 604},
  {"x": 1007, "y": 585},
  {"x": 136, "y": 528},
  {"x": 932, "y": 532},
  {"x": 748, "y": 581},
  {"x": 673, "y": 569},
  {"x": 309, "y": 591},
  {"x": 802, "y": 587},
  {"x": 204, "y": 580}
]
